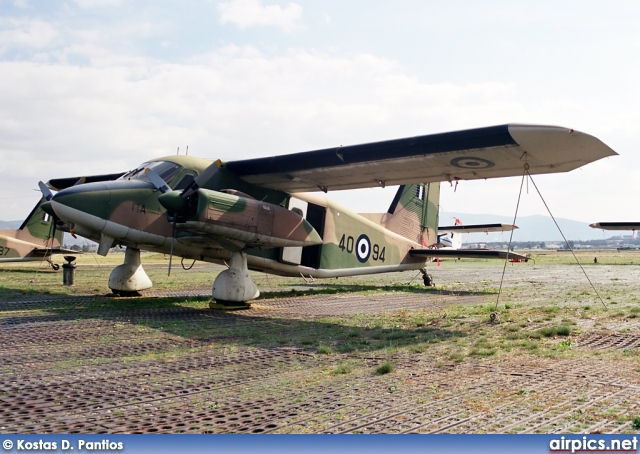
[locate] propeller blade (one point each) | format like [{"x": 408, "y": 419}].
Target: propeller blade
[
  {"x": 173, "y": 238},
  {"x": 53, "y": 231},
  {"x": 201, "y": 179},
  {"x": 157, "y": 180},
  {"x": 46, "y": 193}
]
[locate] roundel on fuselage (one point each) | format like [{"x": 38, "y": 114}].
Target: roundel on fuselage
[{"x": 363, "y": 248}]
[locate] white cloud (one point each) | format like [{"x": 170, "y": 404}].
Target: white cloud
[
  {"x": 20, "y": 33},
  {"x": 234, "y": 103},
  {"x": 97, "y": 3},
  {"x": 251, "y": 13},
  {"x": 88, "y": 100}
]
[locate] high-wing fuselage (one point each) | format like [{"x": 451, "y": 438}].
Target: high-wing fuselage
[
  {"x": 254, "y": 213},
  {"x": 302, "y": 234}
]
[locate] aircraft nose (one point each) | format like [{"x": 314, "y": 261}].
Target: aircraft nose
[{"x": 87, "y": 198}]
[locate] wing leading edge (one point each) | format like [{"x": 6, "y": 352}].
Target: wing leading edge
[
  {"x": 466, "y": 253},
  {"x": 616, "y": 225},
  {"x": 476, "y": 228},
  {"x": 491, "y": 152}
]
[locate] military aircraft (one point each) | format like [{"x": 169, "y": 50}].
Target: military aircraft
[
  {"x": 266, "y": 214},
  {"x": 35, "y": 240}
]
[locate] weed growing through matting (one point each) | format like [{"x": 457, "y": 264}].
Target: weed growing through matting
[{"x": 384, "y": 368}]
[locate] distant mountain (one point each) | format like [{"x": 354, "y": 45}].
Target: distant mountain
[{"x": 530, "y": 228}]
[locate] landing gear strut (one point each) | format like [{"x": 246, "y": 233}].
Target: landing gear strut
[
  {"x": 427, "y": 278},
  {"x": 234, "y": 287},
  {"x": 129, "y": 278},
  {"x": 54, "y": 266}
]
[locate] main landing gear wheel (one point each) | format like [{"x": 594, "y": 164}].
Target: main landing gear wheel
[
  {"x": 55, "y": 266},
  {"x": 427, "y": 278}
]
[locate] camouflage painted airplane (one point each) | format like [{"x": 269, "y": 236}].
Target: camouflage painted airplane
[
  {"x": 259, "y": 213},
  {"x": 33, "y": 241}
]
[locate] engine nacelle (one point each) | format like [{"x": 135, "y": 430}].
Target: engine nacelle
[{"x": 249, "y": 221}]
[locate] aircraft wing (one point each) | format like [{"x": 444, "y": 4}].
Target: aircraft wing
[
  {"x": 491, "y": 152},
  {"x": 466, "y": 253},
  {"x": 616, "y": 225},
  {"x": 44, "y": 252},
  {"x": 477, "y": 228}
]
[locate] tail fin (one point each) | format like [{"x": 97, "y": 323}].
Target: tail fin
[
  {"x": 414, "y": 213},
  {"x": 38, "y": 227}
]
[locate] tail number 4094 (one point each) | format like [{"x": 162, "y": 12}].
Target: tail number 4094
[{"x": 362, "y": 248}]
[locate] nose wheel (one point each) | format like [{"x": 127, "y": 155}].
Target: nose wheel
[{"x": 54, "y": 266}]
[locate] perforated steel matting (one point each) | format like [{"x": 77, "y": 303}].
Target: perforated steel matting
[{"x": 129, "y": 371}]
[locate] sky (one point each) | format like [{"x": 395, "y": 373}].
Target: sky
[{"x": 100, "y": 86}]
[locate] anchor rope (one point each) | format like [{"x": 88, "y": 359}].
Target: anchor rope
[
  {"x": 567, "y": 243},
  {"x": 515, "y": 215}
]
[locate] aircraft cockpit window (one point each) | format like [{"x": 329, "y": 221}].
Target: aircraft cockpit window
[
  {"x": 165, "y": 169},
  {"x": 132, "y": 173},
  {"x": 184, "y": 182}
]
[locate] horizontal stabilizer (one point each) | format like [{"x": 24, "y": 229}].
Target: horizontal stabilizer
[
  {"x": 466, "y": 253},
  {"x": 477, "y": 228},
  {"x": 616, "y": 225},
  {"x": 42, "y": 252}
]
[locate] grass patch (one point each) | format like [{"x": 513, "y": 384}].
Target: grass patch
[
  {"x": 324, "y": 350},
  {"x": 384, "y": 368},
  {"x": 553, "y": 331},
  {"x": 343, "y": 368}
]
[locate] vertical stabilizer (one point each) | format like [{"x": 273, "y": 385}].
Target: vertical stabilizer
[
  {"x": 38, "y": 227},
  {"x": 414, "y": 213}
]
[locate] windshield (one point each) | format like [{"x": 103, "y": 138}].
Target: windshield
[{"x": 165, "y": 169}]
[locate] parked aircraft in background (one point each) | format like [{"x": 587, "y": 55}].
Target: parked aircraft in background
[
  {"x": 35, "y": 240},
  {"x": 258, "y": 214}
]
